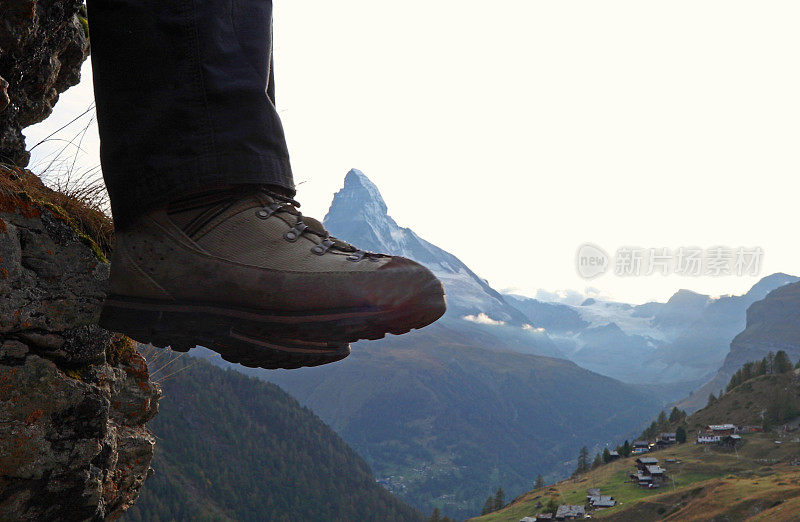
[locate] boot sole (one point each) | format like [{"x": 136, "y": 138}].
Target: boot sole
[
  {"x": 126, "y": 315},
  {"x": 254, "y": 348}
]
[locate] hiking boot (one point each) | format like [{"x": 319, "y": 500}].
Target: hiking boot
[{"x": 243, "y": 267}]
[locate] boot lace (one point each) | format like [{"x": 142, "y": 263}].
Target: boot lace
[{"x": 305, "y": 225}]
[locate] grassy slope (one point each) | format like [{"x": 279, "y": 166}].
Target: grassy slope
[
  {"x": 757, "y": 481},
  {"x": 743, "y": 405},
  {"x": 708, "y": 482}
]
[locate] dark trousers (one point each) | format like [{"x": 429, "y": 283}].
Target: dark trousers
[{"x": 185, "y": 99}]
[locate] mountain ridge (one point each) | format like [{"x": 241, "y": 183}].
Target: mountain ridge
[
  {"x": 684, "y": 339},
  {"x": 771, "y": 326}
]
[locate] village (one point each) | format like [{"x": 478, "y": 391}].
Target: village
[{"x": 647, "y": 471}]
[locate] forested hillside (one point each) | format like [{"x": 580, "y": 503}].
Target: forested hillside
[{"x": 232, "y": 447}]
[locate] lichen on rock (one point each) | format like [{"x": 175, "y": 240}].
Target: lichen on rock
[{"x": 74, "y": 398}]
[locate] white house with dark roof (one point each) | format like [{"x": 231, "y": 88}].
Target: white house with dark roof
[
  {"x": 705, "y": 438},
  {"x": 721, "y": 429}
]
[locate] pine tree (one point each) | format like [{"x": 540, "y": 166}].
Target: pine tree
[
  {"x": 435, "y": 516},
  {"x": 583, "y": 460},
  {"x": 488, "y": 506},
  {"x": 551, "y": 506},
  {"x": 539, "y": 482},
  {"x": 676, "y": 415},
  {"x": 663, "y": 422},
  {"x": 748, "y": 371},
  {"x": 499, "y": 499},
  {"x": 711, "y": 399},
  {"x": 598, "y": 461},
  {"x": 606, "y": 455},
  {"x": 626, "y": 449},
  {"x": 782, "y": 364},
  {"x": 781, "y": 406},
  {"x": 680, "y": 435}
]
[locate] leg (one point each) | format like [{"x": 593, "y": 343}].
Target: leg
[
  {"x": 185, "y": 99},
  {"x": 207, "y": 251}
]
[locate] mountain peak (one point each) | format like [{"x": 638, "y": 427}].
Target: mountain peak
[
  {"x": 359, "y": 215},
  {"x": 359, "y": 196}
]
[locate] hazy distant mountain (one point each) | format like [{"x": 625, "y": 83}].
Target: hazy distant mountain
[
  {"x": 684, "y": 340},
  {"x": 773, "y": 323}
]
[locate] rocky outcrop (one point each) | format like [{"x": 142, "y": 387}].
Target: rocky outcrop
[
  {"x": 74, "y": 398},
  {"x": 773, "y": 324},
  {"x": 42, "y": 46}
]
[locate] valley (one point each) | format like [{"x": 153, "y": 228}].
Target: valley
[{"x": 752, "y": 475}]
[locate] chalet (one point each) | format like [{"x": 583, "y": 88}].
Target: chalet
[
  {"x": 602, "y": 501},
  {"x": 592, "y": 492},
  {"x": 661, "y": 444},
  {"x": 669, "y": 438},
  {"x": 641, "y": 479},
  {"x": 529, "y": 519},
  {"x": 641, "y": 446},
  {"x": 648, "y": 473},
  {"x": 643, "y": 462},
  {"x": 657, "y": 472},
  {"x": 613, "y": 455},
  {"x": 721, "y": 429},
  {"x": 708, "y": 439},
  {"x": 568, "y": 512}
]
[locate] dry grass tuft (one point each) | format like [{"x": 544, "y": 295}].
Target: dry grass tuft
[{"x": 81, "y": 204}]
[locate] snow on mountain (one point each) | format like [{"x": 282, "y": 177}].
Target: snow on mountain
[
  {"x": 358, "y": 214},
  {"x": 601, "y": 313}
]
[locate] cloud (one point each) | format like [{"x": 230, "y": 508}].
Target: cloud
[
  {"x": 527, "y": 326},
  {"x": 482, "y": 318}
]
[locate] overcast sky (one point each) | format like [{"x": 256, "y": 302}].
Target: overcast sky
[{"x": 512, "y": 132}]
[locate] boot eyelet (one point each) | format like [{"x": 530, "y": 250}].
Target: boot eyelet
[
  {"x": 356, "y": 256},
  {"x": 267, "y": 212},
  {"x": 295, "y": 232}
]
